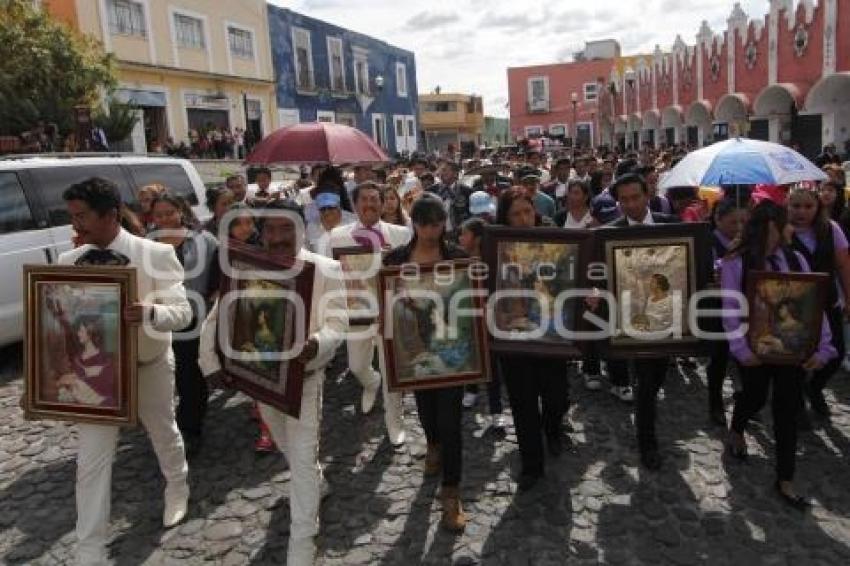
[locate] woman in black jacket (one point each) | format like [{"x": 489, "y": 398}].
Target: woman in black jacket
[
  {"x": 533, "y": 381},
  {"x": 440, "y": 410}
]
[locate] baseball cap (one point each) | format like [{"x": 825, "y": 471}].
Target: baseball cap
[
  {"x": 327, "y": 200},
  {"x": 481, "y": 203}
]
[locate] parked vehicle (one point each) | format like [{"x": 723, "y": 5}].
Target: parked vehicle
[{"x": 34, "y": 223}]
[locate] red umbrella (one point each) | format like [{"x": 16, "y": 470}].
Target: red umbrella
[{"x": 316, "y": 142}]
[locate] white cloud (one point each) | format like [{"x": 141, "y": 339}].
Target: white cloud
[{"x": 467, "y": 45}]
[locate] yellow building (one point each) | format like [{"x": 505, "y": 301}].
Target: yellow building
[
  {"x": 188, "y": 64},
  {"x": 456, "y": 119}
]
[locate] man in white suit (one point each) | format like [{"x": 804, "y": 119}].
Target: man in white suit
[
  {"x": 299, "y": 438},
  {"x": 371, "y": 231},
  {"x": 93, "y": 206}
]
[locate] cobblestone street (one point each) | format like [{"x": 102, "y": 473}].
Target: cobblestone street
[{"x": 596, "y": 505}]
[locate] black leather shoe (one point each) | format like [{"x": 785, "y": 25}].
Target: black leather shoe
[
  {"x": 651, "y": 460},
  {"x": 817, "y": 402},
  {"x": 796, "y": 501}
]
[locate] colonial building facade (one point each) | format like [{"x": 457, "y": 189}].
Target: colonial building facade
[
  {"x": 187, "y": 64},
  {"x": 327, "y": 73},
  {"x": 784, "y": 77}
]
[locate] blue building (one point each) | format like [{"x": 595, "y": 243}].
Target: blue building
[{"x": 327, "y": 73}]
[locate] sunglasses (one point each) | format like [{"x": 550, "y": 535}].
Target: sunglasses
[{"x": 327, "y": 208}]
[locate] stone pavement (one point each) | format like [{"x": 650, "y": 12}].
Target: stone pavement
[{"x": 596, "y": 505}]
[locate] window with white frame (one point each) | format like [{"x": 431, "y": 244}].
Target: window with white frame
[
  {"x": 304, "y": 76},
  {"x": 361, "y": 72},
  {"x": 590, "y": 93},
  {"x": 189, "y": 31},
  {"x": 241, "y": 42},
  {"x": 401, "y": 79},
  {"x": 336, "y": 65},
  {"x": 126, "y": 18},
  {"x": 538, "y": 93}
]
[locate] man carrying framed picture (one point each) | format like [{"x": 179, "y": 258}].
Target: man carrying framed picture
[
  {"x": 281, "y": 235},
  {"x": 371, "y": 232},
  {"x": 632, "y": 195},
  {"x": 93, "y": 206}
]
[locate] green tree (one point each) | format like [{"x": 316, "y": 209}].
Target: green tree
[
  {"x": 117, "y": 121},
  {"x": 46, "y": 69}
]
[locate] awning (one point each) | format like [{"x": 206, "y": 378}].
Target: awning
[{"x": 141, "y": 97}]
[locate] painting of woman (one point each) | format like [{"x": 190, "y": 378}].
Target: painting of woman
[{"x": 91, "y": 376}]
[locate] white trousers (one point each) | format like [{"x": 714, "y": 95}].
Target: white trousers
[
  {"x": 360, "y": 354},
  {"x": 299, "y": 440},
  {"x": 96, "y": 453}
]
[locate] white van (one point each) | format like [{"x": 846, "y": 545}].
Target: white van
[{"x": 34, "y": 222}]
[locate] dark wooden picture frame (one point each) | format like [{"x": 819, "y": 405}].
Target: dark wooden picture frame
[
  {"x": 350, "y": 283},
  {"x": 74, "y": 336},
  {"x": 276, "y": 382},
  {"x": 794, "y": 342},
  {"x": 494, "y": 236},
  {"x": 648, "y": 240},
  {"x": 391, "y": 330}
]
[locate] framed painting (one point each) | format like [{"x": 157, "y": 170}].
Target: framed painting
[
  {"x": 263, "y": 322},
  {"x": 433, "y": 326},
  {"x": 786, "y": 315},
  {"x": 529, "y": 269},
  {"x": 653, "y": 273},
  {"x": 79, "y": 357},
  {"x": 360, "y": 266}
]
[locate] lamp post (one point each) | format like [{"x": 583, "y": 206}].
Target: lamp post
[
  {"x": 630, "y": 80},
  {"x": 574, "y": 100}
]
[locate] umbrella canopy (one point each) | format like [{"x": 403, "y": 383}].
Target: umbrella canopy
[
  {"x": 316, "y": 142},
  {"x": 742, "y": 161}
]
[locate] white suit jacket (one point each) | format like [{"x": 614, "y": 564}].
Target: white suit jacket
[
  {"x": 395, "y": 236},
  {"x": 328, "y": 317},
  {"x": 159, "y": 281}
]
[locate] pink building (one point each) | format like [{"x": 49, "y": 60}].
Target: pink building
[
  {"x": 558, "y": 100},
  {"x": 781, "y": 77}
]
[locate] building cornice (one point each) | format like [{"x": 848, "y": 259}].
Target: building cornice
[{"x": 176, "y": 71}]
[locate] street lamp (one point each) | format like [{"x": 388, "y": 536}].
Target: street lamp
[
  {"x": 574, "y": 100},
  {"x": 379, "y": 82}
]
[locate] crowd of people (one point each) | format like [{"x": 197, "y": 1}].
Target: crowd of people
[{"x": 421, "y": 211}]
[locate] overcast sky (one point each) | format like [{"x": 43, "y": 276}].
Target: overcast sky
[{"x": 467, "y": 45}]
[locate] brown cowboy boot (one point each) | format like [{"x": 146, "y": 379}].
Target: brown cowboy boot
[
  {"x": 454, "y": 520},
  {"x": 432, "y": 460}
]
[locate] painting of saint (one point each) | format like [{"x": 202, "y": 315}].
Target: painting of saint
[
  {"x": 785, "y": 317},
  {"x": 544, "y": 269},
  {"x": 649, "y": 280},
  {"x": 259, "y": 327},
  {"x": 80, "y": 354},
  {"x": 427, "y": 342}
]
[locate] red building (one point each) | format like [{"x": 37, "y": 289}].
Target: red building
[{"x": 782, "y": 77}]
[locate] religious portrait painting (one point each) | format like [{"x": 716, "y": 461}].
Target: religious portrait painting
[
  {"x": 360, "y": 266},
  {"x": 433, "y": 327},
  {"x": 262, "y": 325},
  {"x": 530, "y": 272},
  {"x": 786, "y": 314},
  {"x": 653, "y": 274},
  {"x": 80, "y": 358}
]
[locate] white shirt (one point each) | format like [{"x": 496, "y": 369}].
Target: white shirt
[
  {"x": 646, "y": 219},
  {"x": 573, "y": 224}
]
